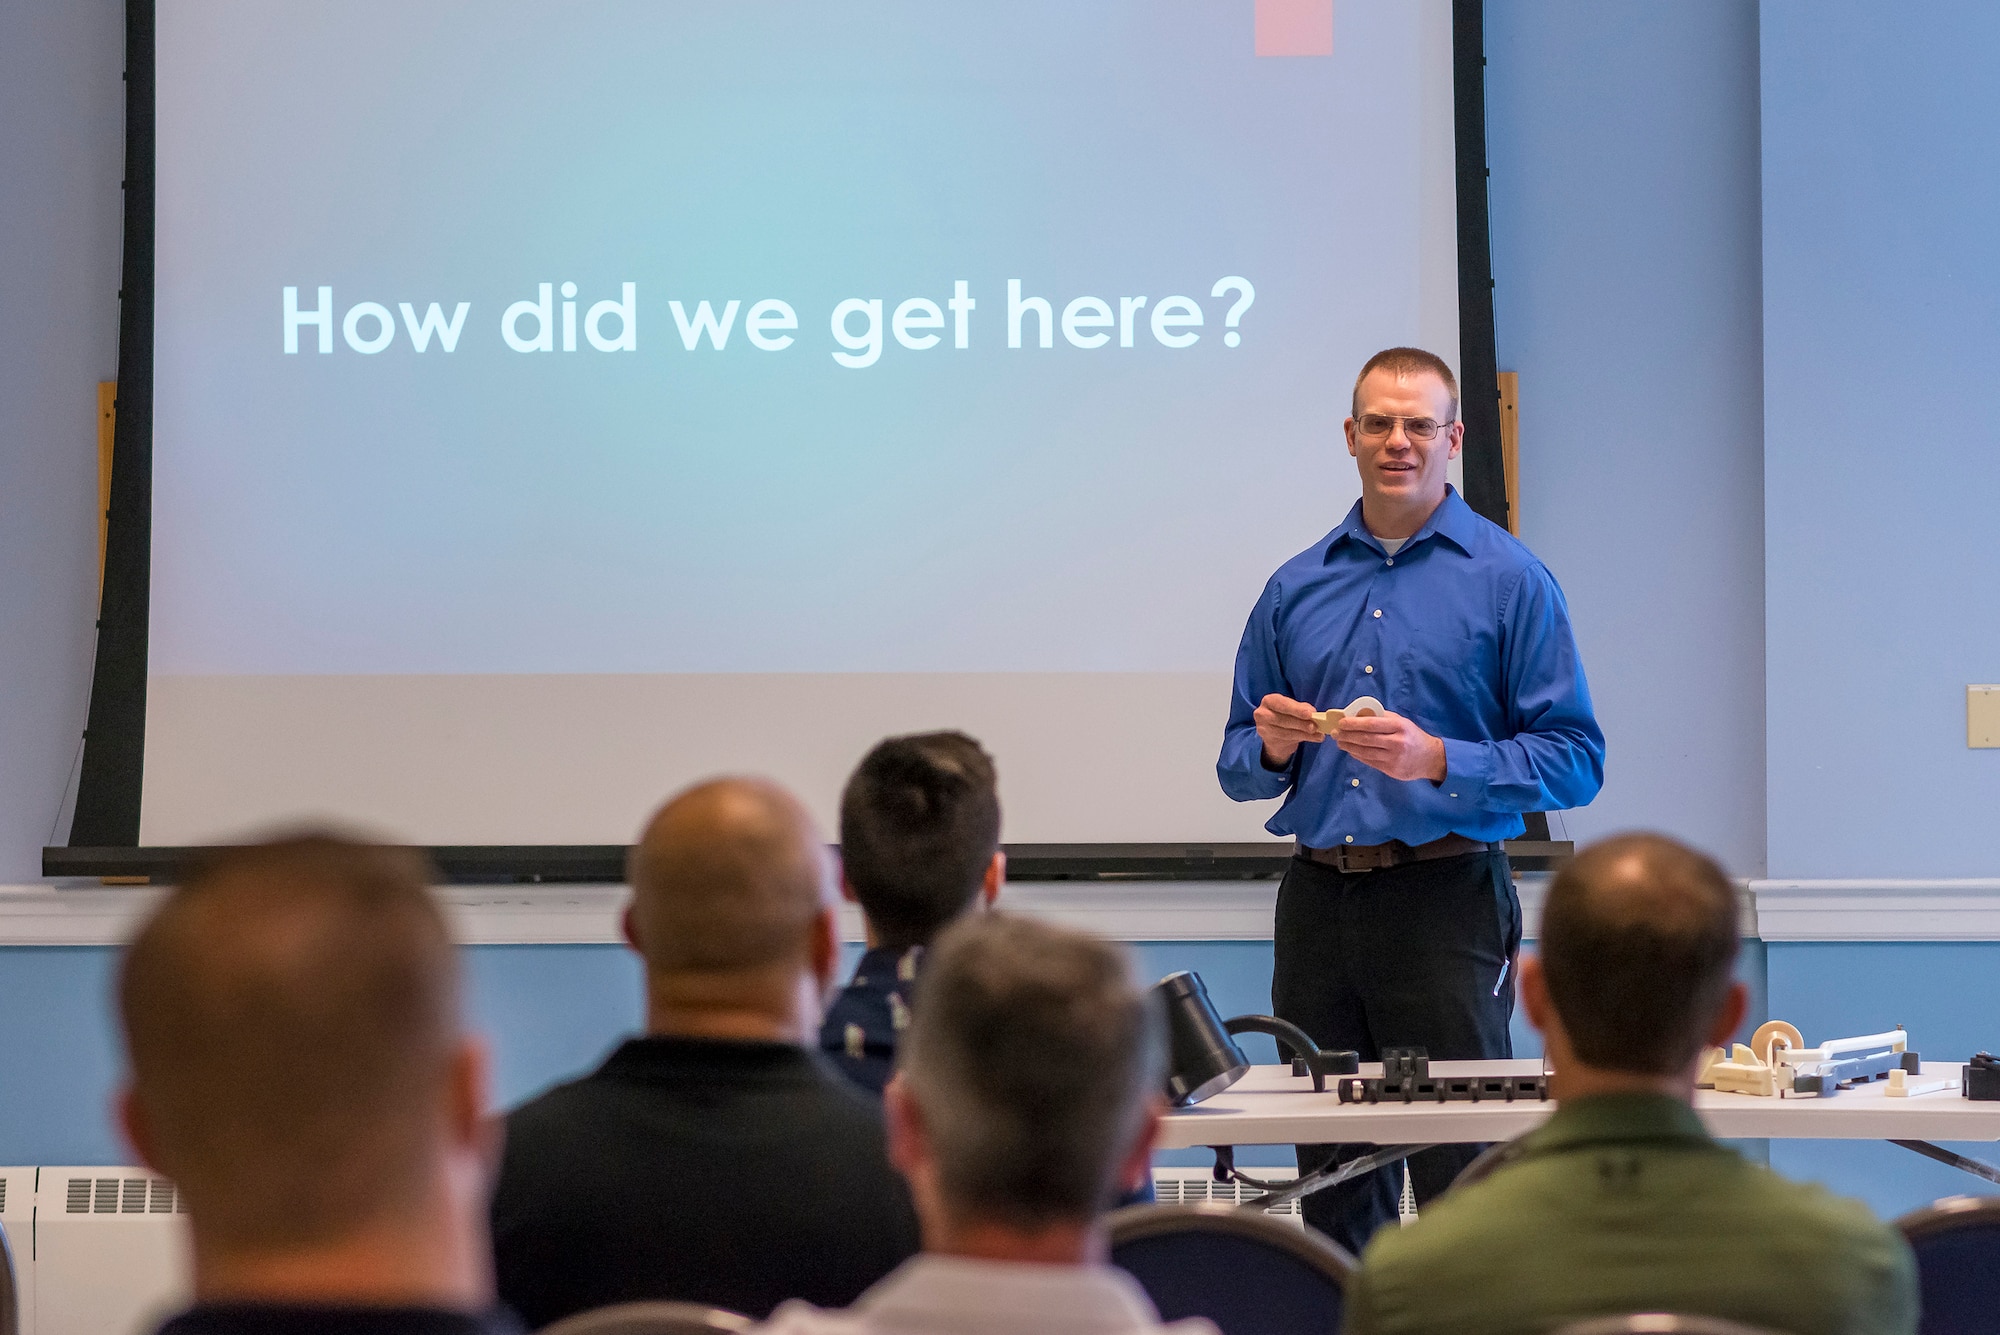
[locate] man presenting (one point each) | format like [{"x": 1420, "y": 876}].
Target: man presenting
[{"x": 1397, "y": 921}]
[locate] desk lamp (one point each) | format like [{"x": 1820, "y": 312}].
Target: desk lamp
[{"x": 1203, "y": 1058}]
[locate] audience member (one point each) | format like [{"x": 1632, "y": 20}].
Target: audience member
[
  {"x": 919, "y": 847},
  {"x": 1025, "y": 1103},
  {"x": 298, "y": 1071},
  {"x": 1621, "y": 1202},
  {"x": 718, "y": 1159}
]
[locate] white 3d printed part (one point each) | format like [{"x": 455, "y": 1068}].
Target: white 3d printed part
[{"x": 1363, "y": 706}]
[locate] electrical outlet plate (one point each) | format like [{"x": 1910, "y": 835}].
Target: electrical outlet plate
[{"x": 1982, "y": 716}]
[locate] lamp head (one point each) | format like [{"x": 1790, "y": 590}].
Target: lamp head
[{"x": 1202, "y": 1059}]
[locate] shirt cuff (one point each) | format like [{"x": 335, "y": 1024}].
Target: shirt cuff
[
  {"x": 1468, "y": 766},
  {"x": 1254, "y": 782}
]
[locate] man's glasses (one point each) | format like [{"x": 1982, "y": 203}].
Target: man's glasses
[{"x": 1378, "y": 426}]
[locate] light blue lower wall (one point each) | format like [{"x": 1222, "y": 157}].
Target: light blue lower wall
[
  {"x": 549, "y": 1011},
  {"x": 552, "y": 1011},
  {"x": 1946, "y": 993}
]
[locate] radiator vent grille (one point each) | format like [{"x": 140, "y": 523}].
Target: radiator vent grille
[
  {"x": 3, "y": 1195},
  {"x": 121, "y": 1195},
  {"x": 1199, "y": 1185}
]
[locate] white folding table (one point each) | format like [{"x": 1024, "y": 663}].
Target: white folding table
[{"x": 1271, "y": 1106}]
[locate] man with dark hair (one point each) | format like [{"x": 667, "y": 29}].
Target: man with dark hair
[
  {"x": 718, "y": 1159},
  {"x": 919, "y": 846},
  {"x": 298, "y": 1070},
  {"x": 1025, "y": 1104},
  {"x": 1621, "y": 1202},
  {"x": 1397, "y": 920}
]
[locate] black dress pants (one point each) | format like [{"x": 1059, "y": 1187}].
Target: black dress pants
[{"x": 1413, "y": 956}]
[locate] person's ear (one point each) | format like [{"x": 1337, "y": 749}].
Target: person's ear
[
  {"x": 1729, "y": 1016},
  {"x": 470, "y": 1095},
  {"x": 1457, "y": 440},
  {"x": 1535, "y": 997},
  {"x": 824, "y": 947},
  {"x": 909, "y": 1147},
  {"x": 996, "y": 876},
  {"x": 138, "y": 1131},
  {"x": 628, "y": 924},
  {"x": 847, "y": 888},
  {"x": 1347, "y": 429},
  {"x": 1137, "y": 1169}
]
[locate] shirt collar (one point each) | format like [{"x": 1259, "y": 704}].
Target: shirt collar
[
  {"x": 967, "y": 1294},
  {"x": 247, "y": 1318},
  {"x": 1608, "y": 1118},
  {"x": 1453, "y": 520}
]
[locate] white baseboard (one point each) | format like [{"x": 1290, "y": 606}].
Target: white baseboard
[{"x": 1798, "y": 910}]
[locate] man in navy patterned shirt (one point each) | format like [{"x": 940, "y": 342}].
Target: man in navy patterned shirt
[{"x": 919, "y": 846}]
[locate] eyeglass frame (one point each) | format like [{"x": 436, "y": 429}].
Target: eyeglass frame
[{"x": 1406, "y": 423}]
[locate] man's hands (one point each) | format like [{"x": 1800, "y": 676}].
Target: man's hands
[
  {"x": 1387, "y": 742},
  {"x": 1394, "y": 745},
  {"x": 1283, "y": 724}
]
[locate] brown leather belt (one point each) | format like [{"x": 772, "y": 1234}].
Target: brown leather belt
[{"x": 1375, "y": 857}]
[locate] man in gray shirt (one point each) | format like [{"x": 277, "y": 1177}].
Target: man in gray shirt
[{"x": 1025, "y": 1105}]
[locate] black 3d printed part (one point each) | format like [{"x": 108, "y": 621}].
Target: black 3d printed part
[{"x": 1980, "y": 1079}]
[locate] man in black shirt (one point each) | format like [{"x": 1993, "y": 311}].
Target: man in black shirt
[
  {"x": 919, "y": 847},
  {"x": 718, "y": 1159},
  {"x": 291, "y": 1016}
]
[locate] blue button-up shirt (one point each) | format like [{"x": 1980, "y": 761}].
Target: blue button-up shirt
[{"x": 1464, "y": 633}]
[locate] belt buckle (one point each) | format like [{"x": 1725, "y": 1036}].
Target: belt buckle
[{"x": 1345, "y": 867}]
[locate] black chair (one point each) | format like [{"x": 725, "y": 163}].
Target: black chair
[
  {"x": 1493, "y": 1156},
  {"x": 1660, "y": 1323},
  {"x": 651, "y": 1319},
  {"x": 1247, "y": 1272},
  {"x": 10, "y": 1293},
  {"x": 1957, "y": 1242}
]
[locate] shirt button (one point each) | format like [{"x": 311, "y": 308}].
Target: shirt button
[
  {"x": 1354, "y": 783},
  {"x": 1454, "y": 794},
  {"x": 1369, "y": 668},
  {"x": 1392, "y": 560},
  {"x": 1378, "y": 611},
  {"x": 1350, "y": 838}
]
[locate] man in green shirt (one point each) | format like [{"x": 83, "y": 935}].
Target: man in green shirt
[{"x": 1621, "y": 1202}]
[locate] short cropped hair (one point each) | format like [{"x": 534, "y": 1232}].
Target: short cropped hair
[
  {"x": 1032, "y": 1054},
  {"x": 291, "y": 1014},
  {"x": 919, "y": 824},
  {"x": 729, "y": 875},
  {"x": 1400, "y": 362},
  {"x": 1639, "y": 940}
]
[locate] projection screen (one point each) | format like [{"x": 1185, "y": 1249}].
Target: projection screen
[{"x": 555, "y": 404}]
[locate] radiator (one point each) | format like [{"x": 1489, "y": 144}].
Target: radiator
[
  {"x": 103, "y": 1251},
  {"x": 97, "y": 1251},
  {"x": 1185, "y": 1186}
]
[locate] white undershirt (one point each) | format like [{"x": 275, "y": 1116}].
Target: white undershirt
[{"x": 1392, "y": 545}]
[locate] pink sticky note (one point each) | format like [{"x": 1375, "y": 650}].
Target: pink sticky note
[{"x": 1294, "y": 27}]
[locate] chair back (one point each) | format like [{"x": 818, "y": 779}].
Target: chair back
[
  {"x": 1957, "y": 1242},
  {"x": 10, "y": 1292},
  {"x": 1660, "y": 1323},
  {"x": 1247, "y": 1272},
  {"x": 651, "y": 1319},
  {"x": 1494, "y": 1156}
]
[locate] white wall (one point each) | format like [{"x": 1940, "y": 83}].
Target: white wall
[{"x": 61, "y": 157}]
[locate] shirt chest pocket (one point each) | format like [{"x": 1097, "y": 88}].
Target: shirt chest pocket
[{"x": 1435, "y": 668}]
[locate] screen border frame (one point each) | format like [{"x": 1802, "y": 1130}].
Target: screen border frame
[{"x": 104, "y": 828}]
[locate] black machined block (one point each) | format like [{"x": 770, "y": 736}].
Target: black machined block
[{"x": 1444, "y": 1089}]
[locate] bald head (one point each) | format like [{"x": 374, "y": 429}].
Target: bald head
[
  {"x": 290, "y": 1012},
  {"x": 729, "y": 876},
  {"x": 1639, "y": 940}
]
